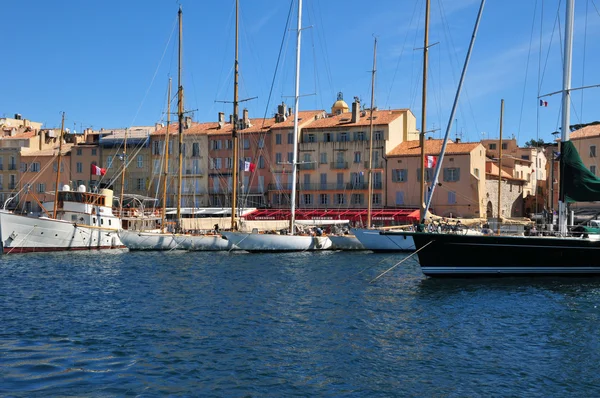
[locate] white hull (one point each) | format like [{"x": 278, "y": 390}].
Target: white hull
[
  {"x": 136, "y": 240},
  {"x": 253, "y": 242},
  {"x": 22, "y": 234},
  {"x": 345, "y": 242},
  {"x": 372, "y": 240}
]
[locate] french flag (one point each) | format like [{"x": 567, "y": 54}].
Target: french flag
[
  {"x": 249, "y": 167},
  {"x": 543, "y": 103},
  {"x": 430, "y": 161}
]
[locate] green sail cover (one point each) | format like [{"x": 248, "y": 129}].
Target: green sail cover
[{"x": 579, "y": 184}]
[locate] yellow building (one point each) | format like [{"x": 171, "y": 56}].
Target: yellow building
[{"x": 461, "y": 183}]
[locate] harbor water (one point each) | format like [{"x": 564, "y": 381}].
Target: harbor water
[{"x": 116, "y": 323}]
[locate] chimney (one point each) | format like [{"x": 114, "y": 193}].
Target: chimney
[
  {"x": 187, "y": 122},
  {"x": 246, "y": 119},
  {"x": 356, "y": 110},
  {"x": 158, "y": 126},
  {"x": 290, "y": 111},
  {"x": 281, "y": 115},
  {"x": 457, "y": 140},
  {"x": 221, "y": 119},
  {"x": 230, "y": 119}
]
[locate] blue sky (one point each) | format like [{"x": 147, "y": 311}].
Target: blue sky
[{"x": 106, "y": 64}]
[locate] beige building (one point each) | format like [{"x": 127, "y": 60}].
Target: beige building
[
  {"x": 334, "y": 153},
  {"x": 510, "y": 191},
  {"x": 461, "y": 190}
]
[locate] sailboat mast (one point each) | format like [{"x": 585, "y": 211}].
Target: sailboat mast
[
  {"x": 58, "y": 160},
  {"x": 180, "y": 118},
  {"x": 454, "y": 106},
  {"x": 566, "y": 107},
  {"x": 500, "y": 167},
  {"x": 234, "y": 137},
  {"x": 123, "y": 174},
  {"x": 424, "y": 114},
  {"x": 370, "y": 191},
  {"x": 296, "y": 110},
  {"x": 166, "y": 166}
]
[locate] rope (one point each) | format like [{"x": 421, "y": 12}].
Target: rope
[
  {"x": 29, "y": 233},
  {"x": 401, "y": 261}
]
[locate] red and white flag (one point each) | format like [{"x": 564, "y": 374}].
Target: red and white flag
[
  {"x": 249, "y": 167},
  {"x": 97, "y": 171},
  {"x": 430, "y": 161}
]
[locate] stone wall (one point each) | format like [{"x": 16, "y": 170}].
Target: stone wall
[{"x": 511, "y": 199}]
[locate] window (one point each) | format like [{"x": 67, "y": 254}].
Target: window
[
  {"x": 343, "y": 137},
  {"x": 324, "y": 199},
  {"x": 196, "y": 166},
  {"x": 261, "y": 162},
  {"x": 310, "y": 138},
  {"x": 323, "y": 158},
  {"x": 23, "y": 166},
  {"x": 451, "y": 174},
  {"x": 41, "y": 188},
  {"x": 217, "y": 163},
  {"x": 504, "y": 146},
  {"x": 428, "y": 174},
  {"x": 327, "y": 137},
  {"x": 278, "y": 158},
  {"x": 356, "y": 199},
  {"x": 140, "y": 184},
  {"x": 493, "y": 147},
  {"x": 196, "y": 149},
  {"x": 261, "y": 142},
  {"x": 79, "y": 151},
  {"x": 34, "y": 167},
  {"x": 399, "y": 175},
  {"x": 228, "y": 163},
  {"x": 216, "y": 144},
  {"x": 359, "y": 136},
  {"x": 376, "y": 199},
  {"x": 399, "y": 197},
  {"x": 290, "y": 138},
  {"x": 378, "y": 135},
  {"x": 592, "y": 151},
  {"x": 308, "y": 199},
  {"x": 246, "y": 143},
  {"x": 140, "y": 161},
  {"x": 228, "y": 144},
  {"x": 323, "y": 179},
  {"x": 525, "y": 157},
  {"x": 94, "y": 151},
  {"x": 157, "y": 166},
  {"x": 452, "y": 197},
  {"x": 340, "y": 180},
  {"x": 290, "y": 157},
  {"x": 1, "y": 163},
  {"x": 277, "y": 139},
  {"x": 62, "y": 167},
  {"x": 340, "y": 199},
  {"x": 79, "y": 167},
  {"x": 476, "y": 172},
  {"x": 593, "y": 169},
  {"x": 156, "y": 148},
  {"x": 357, "y": 157}
]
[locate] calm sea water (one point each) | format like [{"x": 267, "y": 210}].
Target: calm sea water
[{"x": 116, "y": 323}]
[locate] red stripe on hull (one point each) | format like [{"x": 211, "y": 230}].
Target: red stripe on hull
[{"x": 13, "y": 250}]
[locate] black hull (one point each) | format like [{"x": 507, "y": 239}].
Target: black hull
[{"x": 449, "y": 255}]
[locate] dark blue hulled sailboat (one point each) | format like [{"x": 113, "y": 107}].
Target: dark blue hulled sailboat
[{"x": 450, "y": 255}]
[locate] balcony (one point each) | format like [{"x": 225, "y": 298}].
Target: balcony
[
  {"x": 192, "y": 173},
  {"x": 376, "y": 165},
  {"x": 338, "y": 165},
  {"x": 12, "y": 166},
  {"x": 307, "y": 166}
]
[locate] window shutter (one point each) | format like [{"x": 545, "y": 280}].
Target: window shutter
[
  {"x": 457, "y": 174},
  {"x": 446, "y": 174}
]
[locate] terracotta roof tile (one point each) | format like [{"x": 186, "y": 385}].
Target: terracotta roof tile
[
  {"x": 345, "y": 119},
  {"x": 586, "y": 132},
  {"x": 432, "y": 147}
]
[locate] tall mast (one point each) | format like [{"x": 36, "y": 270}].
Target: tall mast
[
  {"x": 500, "y": 167},
  {"x": 166, "y": 166},
  {"x": 424, "y": 114},
  {"x": 180, "y": 118},
  {"x": 566, "y": 107},
  {"x": 440, "y": 160},
  {"x": 370, "y": 191},
  {"x": 296, "y": 108},
  {"x": 58, "y": 160},
  {"x": 123, "y": 174},
  {"x": 234, "y": 137}
]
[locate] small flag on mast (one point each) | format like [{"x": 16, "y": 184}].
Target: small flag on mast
[
  {"x": 543, "y": 103},
  {"x": 430, "y": 161},
  {"x": 97, "y": 171}
]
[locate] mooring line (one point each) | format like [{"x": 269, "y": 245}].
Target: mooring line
[{"x": 401, "y": 261}]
